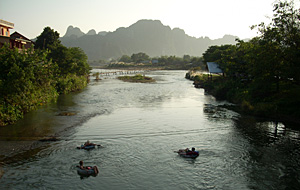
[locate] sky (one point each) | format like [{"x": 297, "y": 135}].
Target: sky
[{"x": 198, "y": 18}]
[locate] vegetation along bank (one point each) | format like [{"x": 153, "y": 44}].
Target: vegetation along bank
[
  {"x": 137, "y": 78},
  {"x": 34, "y": 77},
  {"x": 262, "y": 75}
]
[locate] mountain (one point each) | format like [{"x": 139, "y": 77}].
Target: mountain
[
  {"x": 147, "y": 36},
  {"x": 91, "y": 32},
  {"x": 75, "y": 32}
]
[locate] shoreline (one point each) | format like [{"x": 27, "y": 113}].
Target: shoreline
[
  {"x": 13, "y": 148},
  {"x": 238, "y": 108}
]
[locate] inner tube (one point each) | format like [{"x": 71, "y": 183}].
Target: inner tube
[
  {"x": 189, "y": 154},
  {"x": 93, "y": 170},
  {"x": 87, "y": 147}
]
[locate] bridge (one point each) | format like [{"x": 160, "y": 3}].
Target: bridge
[
  {"x": 119, "y": 72},
  {"x": 107, "y": 73}
]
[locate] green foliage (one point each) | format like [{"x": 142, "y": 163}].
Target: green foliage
[
  {"x": 125, "y": 59},
  {"x": 31, "y": 78},
  {"x": 137, "y": 78},
  {"x": 26, "y": 83},
  {"x": 140, "y": 57},
  {"x": 70, "y": 83},
  {"x": 69, "y": 60},
  {"x": 214, "y": 53},
  {"x": 164, "y": 62},
  {"x": 97, "y": 75},
  {"x": 47, "y": 39},
  {"x": 186, "y": 58},
  {"x": 261, "y": 74}
]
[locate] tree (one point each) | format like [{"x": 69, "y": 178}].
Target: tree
[
  {"x": 139, "y": 57},
  {"x": 283, "y": 34},
  {"x": 187, "y": 58},
  {"x": 69, "y": 60},
  {"x": 125, "y": 58},
  {"x": 79, "y": 60},
  {"x": 214, "y": 53},
  {"x": 47, "y": 39}
]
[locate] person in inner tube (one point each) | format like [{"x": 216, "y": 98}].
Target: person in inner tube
[
  {"x": 191, "y": 151},
  {"x": 95, "y": 168},
  {"x": 87, "y": 143},
  {"x": 82, "y": 167}
]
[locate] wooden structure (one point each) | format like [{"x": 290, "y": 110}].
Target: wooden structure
[
  {"x": 19, "y": 41},
  {"x": 16, "y": 40},
  {"x": 4, "y": 32}
]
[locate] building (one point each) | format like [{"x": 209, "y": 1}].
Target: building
[
  {"x": 16, "y": 40},
  {"x": 213, "y": 68},
  {"x": 4, "y": 32}
]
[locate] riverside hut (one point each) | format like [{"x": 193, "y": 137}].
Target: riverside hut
[{"x": 213, "y": 68}]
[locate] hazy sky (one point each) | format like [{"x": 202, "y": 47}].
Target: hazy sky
[{"x": 212, "y": 18}]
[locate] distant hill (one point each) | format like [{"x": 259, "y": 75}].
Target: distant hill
[
  {"x": 76, "y": 32},
  {"x": 148, "y": 36}
]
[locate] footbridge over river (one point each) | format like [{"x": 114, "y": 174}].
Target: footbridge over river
[{"x": 109, "y": 72}]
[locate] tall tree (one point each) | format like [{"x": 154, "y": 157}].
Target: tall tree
[
  {"x": 47, "y": 39},
  {"x": 284, "y": 35}
]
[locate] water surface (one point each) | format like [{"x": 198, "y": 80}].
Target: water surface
[{"x": 140, "y": 126}]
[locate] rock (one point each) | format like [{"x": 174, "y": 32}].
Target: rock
[{"x": 66, "y": 114}]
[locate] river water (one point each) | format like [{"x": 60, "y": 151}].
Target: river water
[{"x": 140, "y": 126}]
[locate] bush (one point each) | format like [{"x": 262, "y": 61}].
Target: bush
[{"x": 29, "y": 80}]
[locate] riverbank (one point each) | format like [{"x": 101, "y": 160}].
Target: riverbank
[
  {"x": 154, "y": 120},
  {"x": 11, "y": 148},
  {"x": 277, "y": 106},
  {"x": 47, "y": 124}
]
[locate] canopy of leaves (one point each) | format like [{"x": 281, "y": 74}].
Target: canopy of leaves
[
  {"x": 140, "y": 57},
  {"x": 264, "y": 71},
  {"x": 30, "y": 78},
  {"x": 47, "y": 39},
  {"x": 69, "y": 60}
]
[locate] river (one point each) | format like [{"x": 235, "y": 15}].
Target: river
[{"x": 140, "y": 126}]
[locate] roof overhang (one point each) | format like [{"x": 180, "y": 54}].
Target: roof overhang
[
  {"x": 213, "y": 67},
  {"x": 22, "y": 40},
  {"x": 7, "y": 24}
]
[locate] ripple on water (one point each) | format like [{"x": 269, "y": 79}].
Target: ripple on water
[{"x": 141, "y": 125}]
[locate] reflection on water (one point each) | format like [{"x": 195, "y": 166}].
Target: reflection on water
[
  {"x": 274, "y": 153},
  {"x": 140, "y": 126}
]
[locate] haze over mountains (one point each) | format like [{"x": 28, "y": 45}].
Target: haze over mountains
[{"x": 147, "y": 36}]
